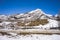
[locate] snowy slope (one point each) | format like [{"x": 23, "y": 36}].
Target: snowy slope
[{"x": 31, "y": 37}]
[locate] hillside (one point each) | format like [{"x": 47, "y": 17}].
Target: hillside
[{"x": 35, "y": 18}]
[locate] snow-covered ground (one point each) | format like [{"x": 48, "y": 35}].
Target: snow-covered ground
[{"x": 31, "y": 37}]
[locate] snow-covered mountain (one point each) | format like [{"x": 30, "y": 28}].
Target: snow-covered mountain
[
  {"x": 38, "y": 13},
  {"x": 36, "y": 18}
]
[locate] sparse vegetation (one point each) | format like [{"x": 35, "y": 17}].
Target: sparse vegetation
[
  {"x": 34, "y": 23},
  {"x": 38, "y": 22}
]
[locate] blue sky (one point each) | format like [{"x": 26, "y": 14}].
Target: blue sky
[{"x": 21, "y": 6}]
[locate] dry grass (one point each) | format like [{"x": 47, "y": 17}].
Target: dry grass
[
  {"x": 38, "y": 22},
  {"x": 34, "y": 23}
]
